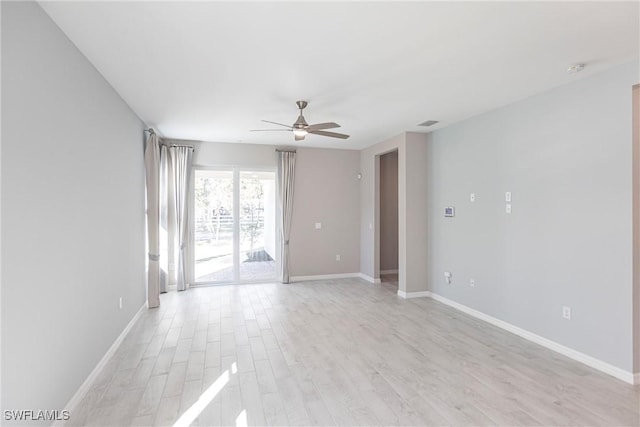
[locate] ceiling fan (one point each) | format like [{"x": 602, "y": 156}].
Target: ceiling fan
[{"x": 301, "y": 128}]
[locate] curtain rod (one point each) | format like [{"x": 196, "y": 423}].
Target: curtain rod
[
  {"x": 153, "y": 132},
  {"x": 174, "y": 145},
  {"x": 285, "y": 151}
]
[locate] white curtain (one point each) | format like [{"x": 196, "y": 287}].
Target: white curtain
[
  {"x": 164, "y": 220},
  {"x": 152, "y": 168},
  {"x": 178, "y": 177},
  {"x": 286, "y": 175}
]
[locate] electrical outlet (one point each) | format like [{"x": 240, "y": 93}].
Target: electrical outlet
[
  {"x": 508, "y": 208},
  {"x": 337, "y": 257},
  {"x": 120, "y": 303},
  {"x": 318, "y": 225},
  {"x": 507, "y": 196},
  {"x": 472, "y": 283},
  {"x": 566, "y": 312},
  {"x": 447, "y": 277}
]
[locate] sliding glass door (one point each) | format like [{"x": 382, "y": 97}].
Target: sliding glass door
[
  {"x": 234, "y": 233},
  {"x": 213, "y": 226},
  {"x": 257, "y": 226}
]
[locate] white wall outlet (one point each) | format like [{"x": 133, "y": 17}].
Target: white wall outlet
[
  {"x": 370, "y": 226},
  {"x": 337, "y": 257},
  {"x": 318, "y": 225},
  {"x": 472, "y": 197},
  {"x": 507, "y": 208},
  {"x": 447, "y": 277},
  {"x": 472, "y": 283},
  {"x": 566, "y": 312},
  {"x": 507, "y": 196},
  {"x": 120, "y": 303}
]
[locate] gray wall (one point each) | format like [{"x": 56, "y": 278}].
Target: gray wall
[
  {"x": 326, "y": 191},
  {"x": 389, "y": 211},
  {"x": 413, "y": 201},
  {"x": 370, "y": 203},
  {"x": 72, "y": 213},
  {"x": 566, "y": 157},
  {"x": 412, "y": 209}
]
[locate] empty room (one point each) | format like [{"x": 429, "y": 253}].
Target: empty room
[{"x": 355, "y": 213}]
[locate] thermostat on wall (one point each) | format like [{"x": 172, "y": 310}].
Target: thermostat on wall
[{"x": 449, "y": 211}]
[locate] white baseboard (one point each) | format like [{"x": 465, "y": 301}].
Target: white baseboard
[
  {"x": 323, "y": 277},
  {"x": 417, "y": 294},
  {"x": 598, "y": 364},
  {"x": 389, "y": 271},
  {"x": 86, "y": 385},
  {"x": 369, "y": 279}
]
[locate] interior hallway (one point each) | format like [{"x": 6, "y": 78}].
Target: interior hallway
[{"x": 340, "y": 352}]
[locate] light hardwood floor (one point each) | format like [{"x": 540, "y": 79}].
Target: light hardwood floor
[{"x": 340, "y": 352}]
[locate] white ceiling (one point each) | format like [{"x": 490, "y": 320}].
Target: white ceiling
[{"x": 212, "y": 70}]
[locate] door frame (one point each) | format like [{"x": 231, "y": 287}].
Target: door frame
[{"x": 236, "y": 169}]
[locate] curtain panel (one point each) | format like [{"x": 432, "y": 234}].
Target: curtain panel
[
  {"x": 180, "y": 162},
  {"x": 152, "y": 170},
  {"x": 168, "y": 177},
  {"x": 286, "y": 176}
]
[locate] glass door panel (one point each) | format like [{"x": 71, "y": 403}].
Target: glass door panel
[
  {"x": 257, "y": 215},
  {"x": 214, "y": 226}
]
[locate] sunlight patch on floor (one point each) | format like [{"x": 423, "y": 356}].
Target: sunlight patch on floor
[{"x": 205, "y": 398}]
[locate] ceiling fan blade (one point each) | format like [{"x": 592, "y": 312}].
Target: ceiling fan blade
[
  {"x": 320, "y": 126},
  {"x": 331, "y": 134},
  {"x": 298, "y": 137},
  {"x": 276, "y": 123},
  {"x": 270, "y": 130}
]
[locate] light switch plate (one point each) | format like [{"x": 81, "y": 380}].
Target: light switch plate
[
  {"x": 472, "y": 197},
  {"x": 508, "y": 208},
  {"x": 318, "y": 225}
]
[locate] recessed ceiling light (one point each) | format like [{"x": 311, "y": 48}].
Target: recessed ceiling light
[
  {"x": 428, "y": 123},
  {"x": 575, "y": 68}
]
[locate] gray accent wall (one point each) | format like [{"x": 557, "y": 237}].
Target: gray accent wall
[
  {"x": 212, "y": 154},
  {"x": 72, "y": 213},
  {"x": 636, "y": 226},
  {"x": 566, "y": 157},
  {"x": 326, "y": 190}
]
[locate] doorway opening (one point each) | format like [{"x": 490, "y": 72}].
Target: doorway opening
[
  {"x": 389, "y": 219},
  {"x": 234, "y": 226}
]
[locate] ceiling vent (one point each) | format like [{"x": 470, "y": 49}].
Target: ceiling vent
[{"x": 429, "y": 123}]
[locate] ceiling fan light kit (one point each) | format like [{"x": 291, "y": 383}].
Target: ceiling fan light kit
[{"x": 301, "y": 128}]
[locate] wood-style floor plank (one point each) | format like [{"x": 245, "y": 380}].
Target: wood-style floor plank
[{"x": 340, "y": 352}]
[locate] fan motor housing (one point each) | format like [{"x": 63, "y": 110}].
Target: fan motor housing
[{"x": 300, "y": 123}]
